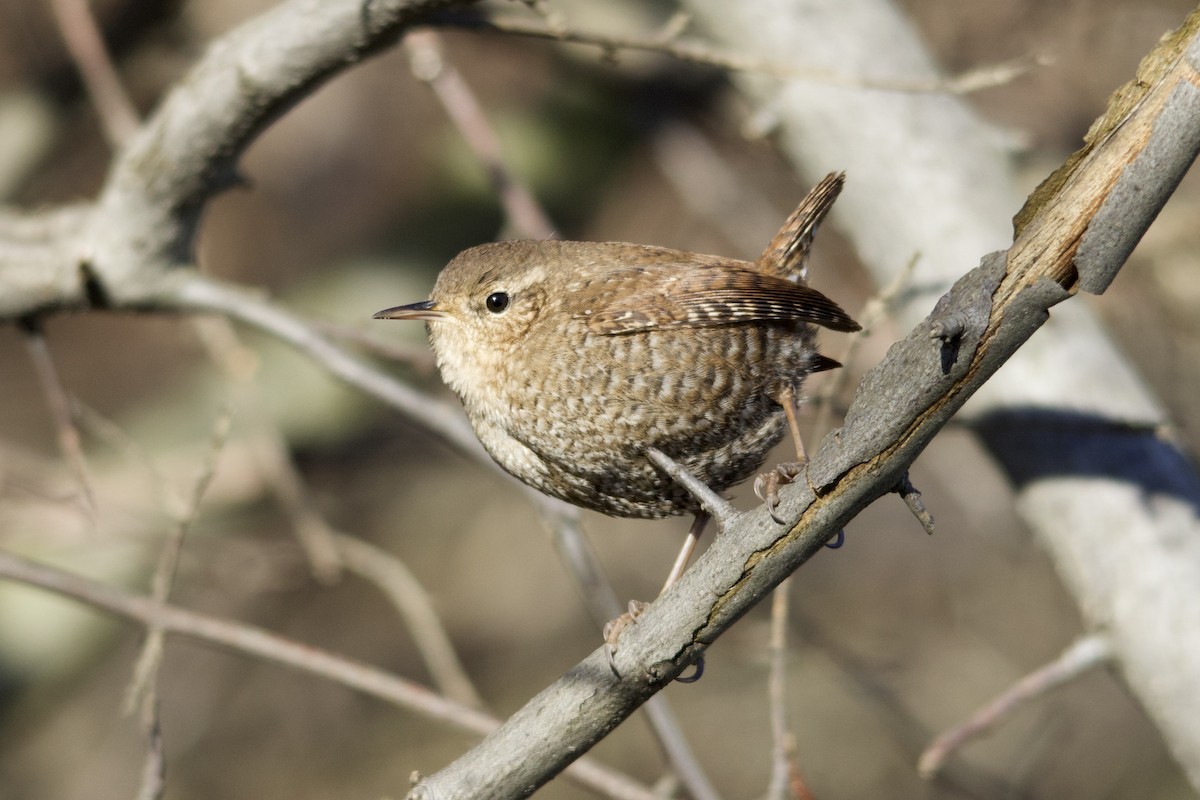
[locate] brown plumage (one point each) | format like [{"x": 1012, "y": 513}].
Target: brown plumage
[{"x": 573, "y": 358}]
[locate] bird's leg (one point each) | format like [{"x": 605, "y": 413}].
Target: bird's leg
[
  {"x": 766, "y": 485},
  {"x": 613, "y": 629},
  {"x": 685, "y": 552}
]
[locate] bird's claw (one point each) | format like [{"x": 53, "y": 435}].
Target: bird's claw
[
  {"x": 612, "y": 632},
  {"x": 766, "y": 485},
  {"x": 613, "y": 629}
]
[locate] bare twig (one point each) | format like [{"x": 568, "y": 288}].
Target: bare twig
[
  {"x": 704, "y": 53},
  {"x": 787, "y": 781},
  {"x": 142, "y": 693},
  {"x": 154, "y": 768},
  {"x": 141, "y": 688},
  {"x": 272, "y": 648},
  {"x": 86, "y": 46},
  {"x": 1084, "y": 655},
  {"x": 59, "y": 404},
  {"x": 717, "y": 507},
  {"x": 416, "y": 356},
  {"x": 912, "y": 499},
  {"x": 395, "y": 580},
  {"x": 429, "y": 64}
]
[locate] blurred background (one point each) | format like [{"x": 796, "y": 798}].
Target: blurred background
[{"x": 355, "y": 200}]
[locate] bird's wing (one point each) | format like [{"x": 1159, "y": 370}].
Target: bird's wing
[{"x": 661, "y": 296}]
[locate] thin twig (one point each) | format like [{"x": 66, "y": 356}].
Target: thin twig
[
  {"x": 718, "y": 507},
  {"x": 576, "y": 552},
  {"x": 685, "y": 765},
  {"x": 416, "y": 356},
  {"x": 777, "y": 691},
  {"x": 142, "y": 693},
  {"x": 69, "y": 441},
  {"x": 429, "y": 65},
  {"x": 787, "y": 781},
  {"x": 393, "y": 578},
  {"x": 912, "y": 499},
  {"x": 86, "y": 46},
  {"x": 275, "y": 649},
  {"x": 973, "y": 80},
  {"x": 269, "y": 448},
  {"x": 1084, "y": 655},
  {"x": 146, "y": 668},
  {"x": 154, "y": 768}
]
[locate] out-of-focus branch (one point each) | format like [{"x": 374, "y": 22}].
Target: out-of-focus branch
[
  {"x": 1080, "y": 658},
  {"x": 86, "y": 45},
  {"x": 69, "y": 442},
  {"x": 704, "y": 53},
  {"x": 411, "y": 601},
  {"x": 141, "y": 228},
  {"x": 131, "y": 249},
  {"x": 191, "y": 292},
  {"x": 272, "y": 648},
  {"x": 429, "y": 64}
]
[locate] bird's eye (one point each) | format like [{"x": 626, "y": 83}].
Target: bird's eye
[{"x": 496, "y": 302}]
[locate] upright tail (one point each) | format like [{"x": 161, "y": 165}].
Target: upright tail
[{"x": 787, "y": 254}]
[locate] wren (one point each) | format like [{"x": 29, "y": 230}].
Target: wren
[{"x": 573, "y": 358}]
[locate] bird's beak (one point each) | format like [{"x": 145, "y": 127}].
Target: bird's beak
[{"x": 426, "y": 310}]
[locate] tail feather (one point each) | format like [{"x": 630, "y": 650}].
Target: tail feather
[{"x": 787, "y": 254}]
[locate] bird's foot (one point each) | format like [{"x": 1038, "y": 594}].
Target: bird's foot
[
  {"x": 766, "y": 485},
  {"x": 613, "y": 629},
  {"x": 612, "y": 632}
]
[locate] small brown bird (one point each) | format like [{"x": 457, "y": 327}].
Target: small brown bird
[
  {"x": 575, "y": 359},
  {"x": 572, "y": 359}
]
